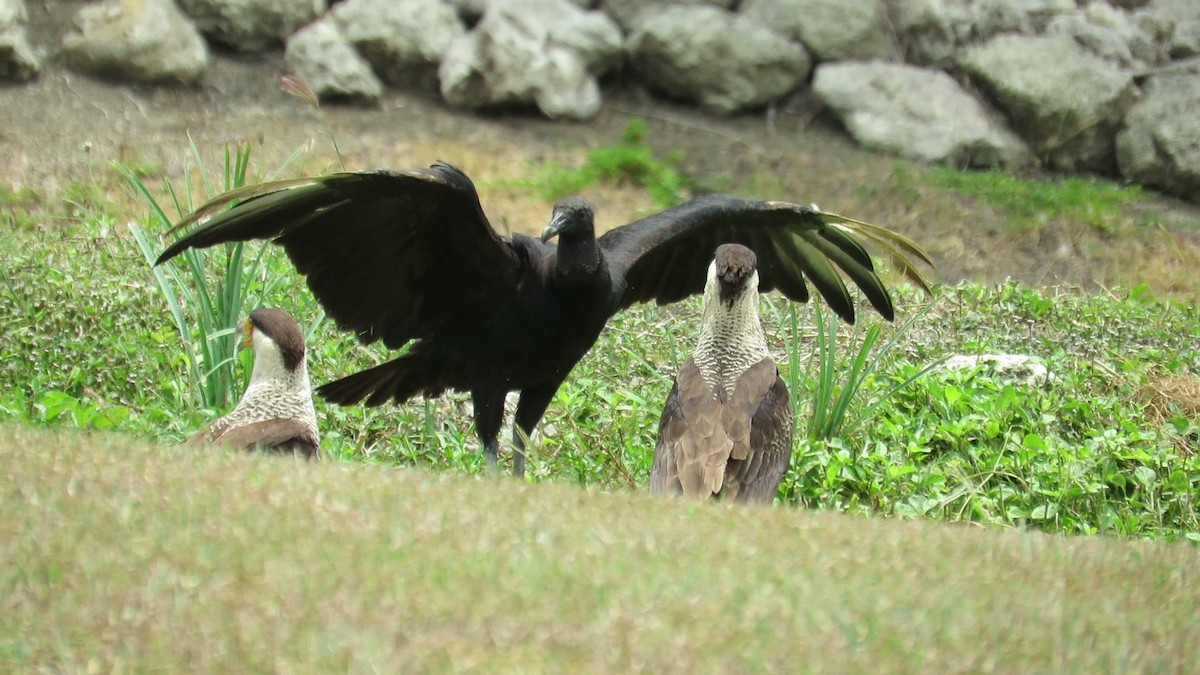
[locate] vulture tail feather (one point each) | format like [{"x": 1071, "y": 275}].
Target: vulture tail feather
[{"x": 396, "y": 380}]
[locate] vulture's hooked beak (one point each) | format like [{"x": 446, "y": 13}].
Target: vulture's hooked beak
[{"x": 556, "y": 225}]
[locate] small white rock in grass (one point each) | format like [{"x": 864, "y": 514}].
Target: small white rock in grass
[{"x": 1015, "y": 368}]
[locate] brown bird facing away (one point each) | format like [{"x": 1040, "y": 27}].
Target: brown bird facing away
[
  {"x": 276, "y": 412},
  {"x": 726, "y": 430},
  {"x": 410, "y": 259}
]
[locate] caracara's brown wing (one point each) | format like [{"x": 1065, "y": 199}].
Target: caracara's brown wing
[
  {"x": 693, "y": 445},
  {"x": 277, "y": 435},
  {"x": 391, "y": 256},
  {"x": 664, "y": 257},
  {"x": 761, "y": 425},
  {"x": 737, "y": 450}
]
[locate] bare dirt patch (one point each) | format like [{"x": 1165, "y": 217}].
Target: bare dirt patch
[{"x": 66, "y": 128}]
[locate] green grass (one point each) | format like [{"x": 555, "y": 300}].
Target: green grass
[
  {"x": 1031, "y": 202},
  {"x": 17, "y": 208},
  {"x": 124, "y": 556},
  {"x": 630, "y": 161}
]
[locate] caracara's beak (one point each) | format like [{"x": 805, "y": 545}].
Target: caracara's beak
[
  {"x": 245, "y": 334},
  {"x": 556, "y": 225}
]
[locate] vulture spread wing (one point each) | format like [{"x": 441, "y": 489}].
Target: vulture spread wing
[
  {"x": 664, "y": 257},
  {"x": 391, "y": 256}
]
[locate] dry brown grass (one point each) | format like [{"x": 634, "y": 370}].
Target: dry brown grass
[
  {"x": 1166, "y": 396},
  {"x": 120, "y": 556},
  {"x": 1170, "y": 394}
]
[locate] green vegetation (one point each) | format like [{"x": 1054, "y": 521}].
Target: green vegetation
[
  {"x": 16, "y": 207},
  {"x": 630, "y": 161},
  {"x": 90, "y": 343},
  {"x": 147, "y": 559},
  {"x": 207, "y": 301},
  {"x": 1032, "y": 202},
  {"x": 830, "y": 400}
]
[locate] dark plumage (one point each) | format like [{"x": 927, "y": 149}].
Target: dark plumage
[
  {"x": 276, "y": 412},
  {"x": 410, "y": 256},
  {"x": 726, "y": 429}
]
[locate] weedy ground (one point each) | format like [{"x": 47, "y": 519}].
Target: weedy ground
[{"x": 389, "y": 554}]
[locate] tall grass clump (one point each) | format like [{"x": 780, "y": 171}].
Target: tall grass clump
[
  {"x": 825, "y": 384},
  {"x": 207, "y": 293}
]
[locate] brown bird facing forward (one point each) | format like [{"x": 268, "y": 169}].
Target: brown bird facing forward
[
  {"x": 410, "y": 259},
  {"x": 726, "y": 430},
  {"x": 276, "y": 412}
]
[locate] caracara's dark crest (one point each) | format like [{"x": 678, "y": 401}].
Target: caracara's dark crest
[
  {"x": 275, "y": 413},
  {"x": 410, "y": 257},
  {"x": 726, "y": 428},
  {"x": 734, "y": 265},
  {"x": 284, "y": 330}
]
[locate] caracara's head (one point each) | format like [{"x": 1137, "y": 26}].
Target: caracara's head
[
  {"x": 734, "y": 271},
  {"x": 276, "y": 339},
  {"x": 573, "y": 218}
]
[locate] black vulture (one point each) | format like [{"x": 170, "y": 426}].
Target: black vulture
[
  {"x": 726, "y": 429},
  {"x": 410, "y": 258},
  {"x": 275, "y": 414}
]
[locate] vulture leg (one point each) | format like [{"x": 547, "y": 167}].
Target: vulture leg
[
  {"x": 489, "y": 414},
  {"x": 530, "y": 408}
]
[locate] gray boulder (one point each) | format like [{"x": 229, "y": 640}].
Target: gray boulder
[
  {"x": 1022, "y": 16},
  {"x": 148, "y": 41},
  {"x": 545, "y": 53},
  {"x": 628, "y": 13},
  {"x": 723, "y": 61},
  {"x": 471, "y": 11},
  {"x": 1015, "y": 369},
  {"x": 1111, "y": 34},
  {"x": 17, "y": 60},
  {"x": 403, "y": 40},
  {"x": 251, "y": 25},
  {"x": 1174, "y": 23},
  {"x": 832, "y": 30},
  {"x": 933, "y": 31},
  {"x": 916, "y": 113},
  {"x": 1185, "y": 40},
  {"x": 328, "y": 63},
  {"x": 1160, "y": 144},
  {"x": 1065, "y": 102}
]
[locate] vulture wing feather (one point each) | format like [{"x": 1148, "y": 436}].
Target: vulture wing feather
[
  {"x": 662, "y": 257},
  {"x": 375, "y": 247}
]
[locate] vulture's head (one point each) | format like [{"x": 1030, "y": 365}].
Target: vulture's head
[
  {"x": 734, "y": 270},
  {"x": 573, "y": 218},
  {"x": 277, "y": 342}
]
